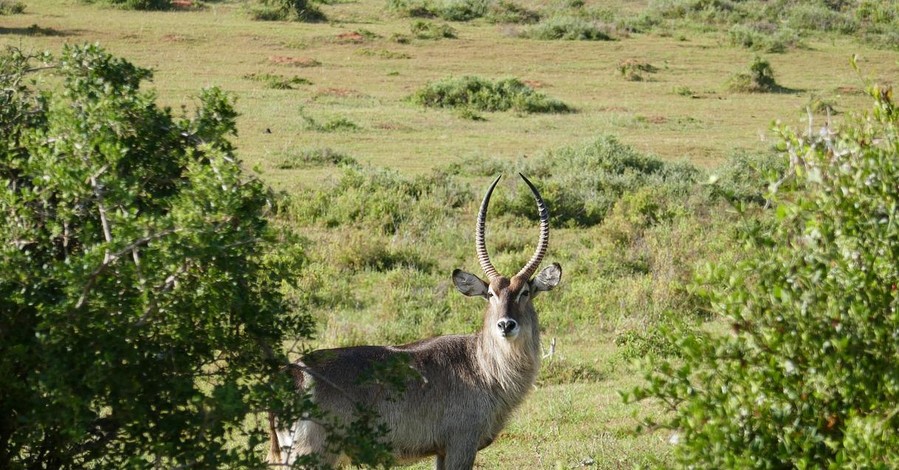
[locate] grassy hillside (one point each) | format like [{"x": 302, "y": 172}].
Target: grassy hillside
[{"x": 385, "y": 189}]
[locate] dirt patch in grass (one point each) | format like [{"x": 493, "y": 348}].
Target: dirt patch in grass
[{"x": 351, "y": 37}]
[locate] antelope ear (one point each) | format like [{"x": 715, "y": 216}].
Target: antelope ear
[
  {"x": 469, "y": 284},
  {"x": 548, "y": 278}
]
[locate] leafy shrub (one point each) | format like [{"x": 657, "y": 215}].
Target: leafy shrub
[
  {"x": 571, "y": 28},
  {"x": 381, "y": 200},
  {"x": 11, "y": 7},
  {"x": 744, "y": 178},
  {"x": 484, "y": 95},
  {"x": 307, "y": 158},
  {"x": 333, "y": 124},
  {"x": 807, "y": 377},
  {"x": 461, "y": 10},
  {"x": 585, "y": 182},
  {"x": 763, "y": 39},
  {"x": 449, "y": 10},
  {"x": 277, "y": 82},
  {"x": 651, "y": 342},
  {"x": 141, "y": 315},
  {"x": 365, "y": 252},
  {"x": 760, "y": 79},
  {"x": 430, "y": 30},
  {"x": 559, "y": 370},
  {"x": 705, "y": 11},
  {"x": 507, "y": 12},
  {"x": 811, "y": 17},
  {"x": 286, "y": 10}
]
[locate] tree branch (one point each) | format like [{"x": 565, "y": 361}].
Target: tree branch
[{"x": 109, "y": 259}]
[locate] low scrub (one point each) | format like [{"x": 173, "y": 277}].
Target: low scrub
[
  {"x": 506, "y": 12},
  {"x": 286, "y": 10},
  {"x": 449, "y": 10},
  {"x": 585, "y": 182},
  {"x": 484, "y": 95},
  {"x": 759, "y": 79},
  {"x": 380, "y": 200},
  {"x": 310, "y": 158},
  {"x": 277, "y": 82},
  {"x": 429, "y": 30},
  {"x": 332, "y": 124},
  {"x": 776, "y": 26},
  {"x": 763, "y": 38},
  {"x": 570, "y": 28},
  {"x": 11, "y": 7}
]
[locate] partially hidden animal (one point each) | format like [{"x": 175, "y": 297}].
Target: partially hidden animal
[{"x": 465, "y": 387}]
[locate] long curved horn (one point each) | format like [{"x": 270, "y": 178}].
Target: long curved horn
[
  {"x": 529, "y": 269},
  {"x": 480, "y": 245}
]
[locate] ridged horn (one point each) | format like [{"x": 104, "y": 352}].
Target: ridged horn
[
  {"x": 543, "y": 243},
  {"x": 480, "y": 245}
]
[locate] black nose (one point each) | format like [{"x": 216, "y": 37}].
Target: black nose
[{"x": 506, "y": 326}]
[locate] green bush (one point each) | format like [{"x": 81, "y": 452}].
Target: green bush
[
  {"x": 760, "y": 79},
  {"x": 310, "y": 158},
  {"x": 570, "y": 28},
  {"x": 744, "y": 178},
  {"x": 449, "y": 10},
  {"x": 14, "y": 7},
  {"x": 286, "y": 10},
  {"x": 332, "y": 124},
  {"x": 485, "y": 95},
  {"x": 430, "y": 30},
  {"x": 141, "y": 315},
  {"x": 381, "y": 200},
  {"x": 807, "y": 375},
  {"x": 507, "y": 12},
  {"x": 586, "y": 182},
  {"x": 763, "y": 39},
  {"x": 277, "y": 82},
  {"x": 813, "y": 17}
]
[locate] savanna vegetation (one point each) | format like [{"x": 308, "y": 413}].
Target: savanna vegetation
[{"x": 734, "y": 281}]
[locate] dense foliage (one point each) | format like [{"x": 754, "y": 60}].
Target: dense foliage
[
  {"x": 286, "y": 10},
  {"x": 485, "y": 95},
  {"x": 140, "y": 316},
  {"x": 807, "y": 377}
]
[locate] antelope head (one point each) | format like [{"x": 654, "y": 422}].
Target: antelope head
[{"x": 510, "y": 312}]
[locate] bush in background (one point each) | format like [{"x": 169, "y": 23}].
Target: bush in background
[
  {"x": 585, "y": 182},
  {"x": 13, "y": 7},
  {"x": 571, "y": 28},
  {"x": 759, "y": 79},
  {"x": 485, "y": 95},
  {"x": 286, "y": 10}
]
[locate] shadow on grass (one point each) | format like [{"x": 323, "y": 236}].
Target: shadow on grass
[{"x": 35, "y": 30}]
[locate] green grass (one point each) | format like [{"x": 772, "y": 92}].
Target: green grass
[{"x": 325, "y": 117}]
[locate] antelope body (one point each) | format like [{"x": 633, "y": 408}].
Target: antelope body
[{"x": 466, "y": 385}]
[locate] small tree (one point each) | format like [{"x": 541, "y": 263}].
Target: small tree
[
  {"x": 140, "y": 315},
  {"x": 808, "y": 377}
]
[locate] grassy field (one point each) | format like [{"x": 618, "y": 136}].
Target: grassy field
[{"x": 344, "y": 85}]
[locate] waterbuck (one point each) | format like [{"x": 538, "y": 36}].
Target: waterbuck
[{"x": 465, "y": 386}]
